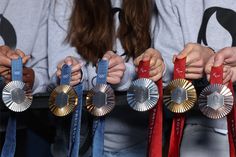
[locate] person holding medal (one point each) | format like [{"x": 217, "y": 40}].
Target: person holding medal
[
  {"x": 116, "y": 31},
  {"x": 196, "y": 30},
  {"x": 23, "y": 33}
]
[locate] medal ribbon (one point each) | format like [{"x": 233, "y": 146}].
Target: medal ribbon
[
  {"x": 216, "y": 77},
  {"x": 9, "y": 146},
  {"x": 231, "y": 123},
  {"x": 99, "y": 124},
  {"x": 76, "y": 118},
  {"x": 155, "y": 117},
  {"x": 179, "y": 118}
]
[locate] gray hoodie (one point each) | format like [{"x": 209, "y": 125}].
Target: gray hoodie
[
  {"x": 29, "y": 22},
  {"x": 207, "y": 22},
  {"x": 124, "y": 127}
]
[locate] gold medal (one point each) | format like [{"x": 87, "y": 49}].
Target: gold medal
[
  {"x": 216, "y": 101},
  {"x": 16, "y": 96},
  {"x": 142, "y": 95},
  {"x": 180, "y": 96},
  {"x": 100, "y": 100},
  {"x": 63, "y": 100}
]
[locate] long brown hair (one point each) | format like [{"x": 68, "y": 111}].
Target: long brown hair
[{"x": 91, "y": 27}]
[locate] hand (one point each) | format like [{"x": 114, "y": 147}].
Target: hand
[
  {"x": 156, "y": 63},
  {"x": 5, "y": 60},
  {"x": 226, "y": 57},
  {"x": 28, "y": 77},
  {"x": 75, "y": 70},
  {"x": 196, "y": 59},
  {"x": 6, "y": 55},
  {"x": 116, "y": 67}
]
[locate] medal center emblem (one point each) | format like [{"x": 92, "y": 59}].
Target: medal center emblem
[
  {"x": 141, "y": 94},
  {"x": 61, "y": 99},
  {"x": 100, "y": 99},
  {"x": 179, "y": 95},
  {"x": 215, "y": 100},
  {"x": 18, "y": 95}
]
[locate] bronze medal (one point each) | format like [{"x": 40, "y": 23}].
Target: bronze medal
[
  {"x": 179, "y": 96},
  {"x": 142, "y": 94},
  {"x": 216, "y": 101},
  {"x": 16, "y": 96},
  {"x": 100, "y": 100},
  {"x": 63, "y": 100}
]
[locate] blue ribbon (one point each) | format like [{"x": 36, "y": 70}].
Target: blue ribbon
[
  {"x": 76, "y": 118},
  {"x": 9, "y": 146},
  {"x": 99, "y": 124}
]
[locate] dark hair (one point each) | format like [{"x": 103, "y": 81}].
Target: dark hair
[
  {"x": 91, "y": 27},
  {"x": 134, "y": 30}
]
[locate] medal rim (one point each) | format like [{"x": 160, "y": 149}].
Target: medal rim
[
  {"x": 69, "y": 107},
  {"x": 149, "y": 103},
  {"x": 104, "y": 109},
  {"x": 7, "y": 99},
  {"x": 187, "y": 104}
]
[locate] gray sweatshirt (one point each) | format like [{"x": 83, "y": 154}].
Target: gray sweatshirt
[
  {"x": 29, "y": 22},
  {"x": 124, "y": 127},
  {"x": 23, "y": 25},
  {"x": 207, "y": 22}
]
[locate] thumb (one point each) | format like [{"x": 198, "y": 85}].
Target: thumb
[
  {"x": 68, "y": 60},
  {"x": 146, "y": 57},
  {"x": 219, "y": 60}
]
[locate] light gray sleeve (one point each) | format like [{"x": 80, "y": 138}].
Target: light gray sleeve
[
  {"x": 58, "y": 48},
  {"x": 168, "y": 38},
  {"x": 38, "y": 61}
]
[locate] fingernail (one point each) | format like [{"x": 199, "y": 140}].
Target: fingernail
[{"x": 104, "y": 58}]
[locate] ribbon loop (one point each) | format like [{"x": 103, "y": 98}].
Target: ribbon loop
[
  {"x": 216, "y": 75},
  {"x": 144, "y": 69},
  {"x": 17, "y": 69},
  {"x": 102, "y": 72},
  {"x": 179, "y": 68},
  {"x": 66, "y": 75}
]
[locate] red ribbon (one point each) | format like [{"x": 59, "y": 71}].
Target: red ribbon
[
  {"x": 178, "y": 119},
  {"x": 216, "y": 77},
  {"x": 155, "y": 117},
  {"x": 231, "y": 122}
]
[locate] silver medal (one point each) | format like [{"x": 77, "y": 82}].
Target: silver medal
[
  {"x": 142, "y": 94},
  {"x": 16, "y": 97}
]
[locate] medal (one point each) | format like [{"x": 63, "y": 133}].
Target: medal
[
  {"x": 15, "y": 95},
  {"x": 63, "y": 98},
  {"x": 100, "y": 100},
  {"x": 215, "y": 101},
  {"x": 180, "y": 96},
  {"x": 143, "y": 93}
]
